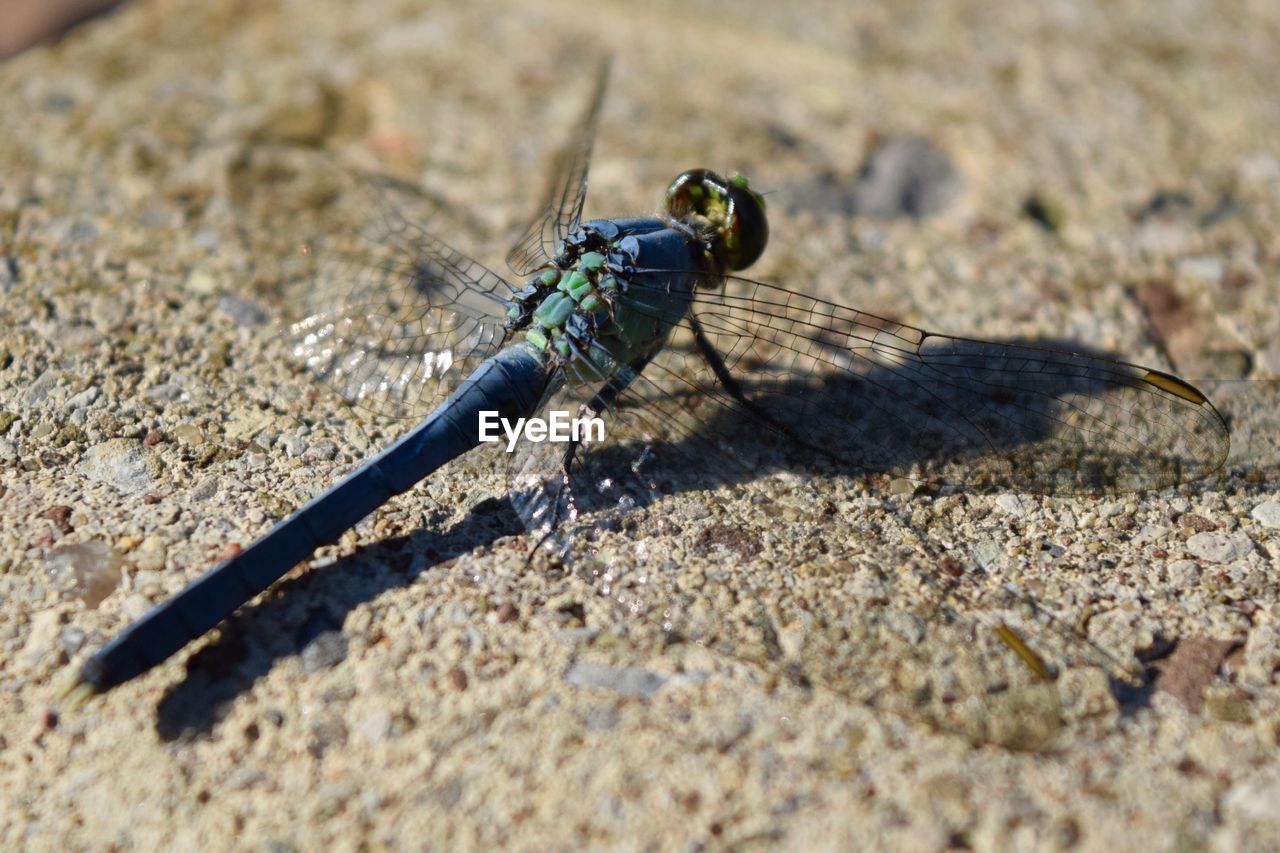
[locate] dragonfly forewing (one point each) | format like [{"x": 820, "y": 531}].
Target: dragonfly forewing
[
  {"x": 400, "y": 316},
  {"x": 561, "y": 208},
  {"x": 879, "y": 397}
]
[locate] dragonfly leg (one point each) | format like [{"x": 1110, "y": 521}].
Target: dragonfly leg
[
  {"x": 734, "y": 389},
  {"x": 566, "y": 461},
  {"x": 602, "y": 401},
  {"x": 718, "y": 367}
]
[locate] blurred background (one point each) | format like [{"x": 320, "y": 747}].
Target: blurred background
[{"x": 27, "y": 22}]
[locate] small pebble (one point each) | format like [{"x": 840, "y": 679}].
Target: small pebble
[
  {"x": 89, "y": 571},
  {"x": 242, "y": 311},
  {"x": 1267, "y": 514},
  {"x": 1209, "y": 270},
  {"x": 601, "y": 719},
  {"x": 42, "y": 635},
  {"x": 149, "y": 555},
  {"x": 1198, "y": 523},
  {"x": 988, "y": 553},
  {"x": 246, "y": 424},
  {"x": 71, "y": 639},
  {"x": 457, "y": 678},
  {"x": 1013, "y": 504},
  {"x": 908, "y": 626},
  {"x": 147, "y": 583},
  {"x": 1231, "y": 708},
  {"x": 627, "y": 681},
  {"x": 902, "y": 486},
  {"x": 135, "y": 605},
  {"x": 376, "y": 726},
  {"x": 85, "y": 398},
  {"x": 201, "y": 282},
  {"x": 905, "y": 176},
  {"x": 60, "y": 515},
  {"x": 1183, "y": 573},
  {"x": 322, "y": 451},
  {"x": 188, "y": 434},
  {"x": 167, "y": 392},
  {"x": 1256, "y": 798},
  {"x": 205, "y": 489},
  {"x": 327, "y": 650},
  {"x": 1191, "y": 668},
  {"x": 122, "y": 463},
  {"x": 1217, "y": 547}
]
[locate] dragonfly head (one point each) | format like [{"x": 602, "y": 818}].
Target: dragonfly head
[{"x": 729, "y": 211}]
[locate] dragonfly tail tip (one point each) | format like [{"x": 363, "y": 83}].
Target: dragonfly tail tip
[{"x": 74, "y": 691}]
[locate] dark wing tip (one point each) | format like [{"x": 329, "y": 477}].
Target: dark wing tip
[{"x": 1174, "y": 385}]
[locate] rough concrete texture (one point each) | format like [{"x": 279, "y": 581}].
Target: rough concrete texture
[{"x": 1114, "y": 181}]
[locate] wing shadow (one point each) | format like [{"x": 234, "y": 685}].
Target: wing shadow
[{"x": 995, "y": 431}]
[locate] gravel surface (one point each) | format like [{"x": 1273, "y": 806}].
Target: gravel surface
[{"x": 1100, "y": 175}]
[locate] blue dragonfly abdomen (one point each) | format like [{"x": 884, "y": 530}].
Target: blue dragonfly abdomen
[{"x": 511, "y": 383}]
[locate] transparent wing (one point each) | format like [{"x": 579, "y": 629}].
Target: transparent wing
[
  {"x": 609, "y": 497},
  {"x": 633, "y": 519},
  {"x": 872, "y": 395},
  {"x": 554, "y": 494},
  {"x": 795, "y": 380},
  {"x": 758, "y": 381},
  {"x": 559, "y": 213},
  {"x": 651, "y": 450},
  {"x": 406, "y": 314}
]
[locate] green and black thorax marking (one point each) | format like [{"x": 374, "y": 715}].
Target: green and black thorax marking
[{"x": 611, "y": 296}]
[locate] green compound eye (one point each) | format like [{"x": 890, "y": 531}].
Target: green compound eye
[{"x": 729, "y": 210}]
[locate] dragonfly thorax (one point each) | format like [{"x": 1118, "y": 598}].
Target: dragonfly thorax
[
  {"x": 561, "y": 307},
  {"x": 611, "y": 297}
]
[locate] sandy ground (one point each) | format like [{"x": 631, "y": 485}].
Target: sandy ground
[{"x": 416, "y": 686}]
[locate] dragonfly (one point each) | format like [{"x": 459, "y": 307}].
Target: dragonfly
[{"x": 646, "y": 323}]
